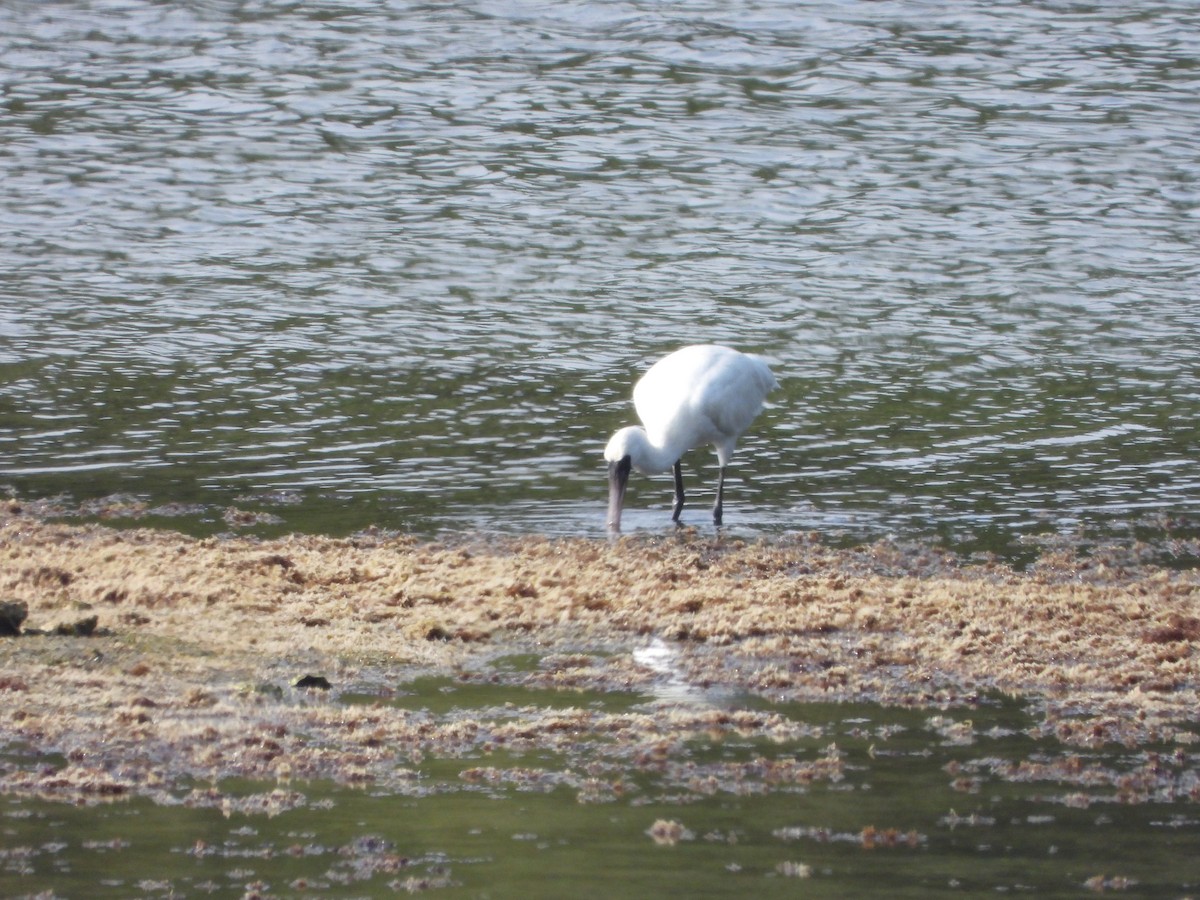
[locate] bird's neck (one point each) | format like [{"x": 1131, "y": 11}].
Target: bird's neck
[{"x": 651, "y": 458}]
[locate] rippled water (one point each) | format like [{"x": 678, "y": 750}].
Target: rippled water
[{"x": 400, "y": 263}]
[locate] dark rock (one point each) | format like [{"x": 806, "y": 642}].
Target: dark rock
[
  {"x": 314, "y": 681},
  {"x": 12, "y": 614}
]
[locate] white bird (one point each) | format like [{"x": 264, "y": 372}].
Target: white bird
[{"x": 702, "y": 394}]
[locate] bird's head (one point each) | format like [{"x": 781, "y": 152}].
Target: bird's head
[{"x": 624, "y": 446}]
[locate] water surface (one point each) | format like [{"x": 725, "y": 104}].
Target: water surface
[{"x": 400, "y": 263}]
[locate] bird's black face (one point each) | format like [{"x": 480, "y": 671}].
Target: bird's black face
[{"x": 618, "y": 478}]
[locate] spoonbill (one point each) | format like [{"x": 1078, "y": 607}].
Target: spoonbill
[{"x": 701, "y": 394}]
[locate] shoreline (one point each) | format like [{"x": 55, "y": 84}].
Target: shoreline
[{"x": 198, "y": 644}]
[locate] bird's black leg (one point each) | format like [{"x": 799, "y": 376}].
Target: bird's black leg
[
  {"x": 678, "y": 493},
  {"x": 718, "y": 507}
]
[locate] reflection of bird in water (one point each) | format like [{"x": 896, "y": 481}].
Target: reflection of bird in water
[{"x": 701, "y": 394}]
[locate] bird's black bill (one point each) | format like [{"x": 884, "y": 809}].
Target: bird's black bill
[{"x": 618, "y": 479}]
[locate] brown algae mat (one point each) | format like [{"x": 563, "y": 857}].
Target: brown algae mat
[{"x": 150, "y": 660}]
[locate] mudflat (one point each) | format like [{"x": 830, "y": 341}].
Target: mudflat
[{"x": 148, "y": 658}]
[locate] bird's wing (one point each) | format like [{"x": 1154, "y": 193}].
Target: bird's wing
[
  {"x": 702, "y": 395},
  {"x": 730, "y": 395}
]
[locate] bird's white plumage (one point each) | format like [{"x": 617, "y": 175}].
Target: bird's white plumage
[{"x": 702, "y": 394}]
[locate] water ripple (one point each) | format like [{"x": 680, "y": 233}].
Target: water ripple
[{"x": 407, "y": 258}]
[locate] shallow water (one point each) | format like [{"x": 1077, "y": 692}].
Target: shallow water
[
  {"x": 399, "y": 263},
  {"x": 962, "y": 802}
]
